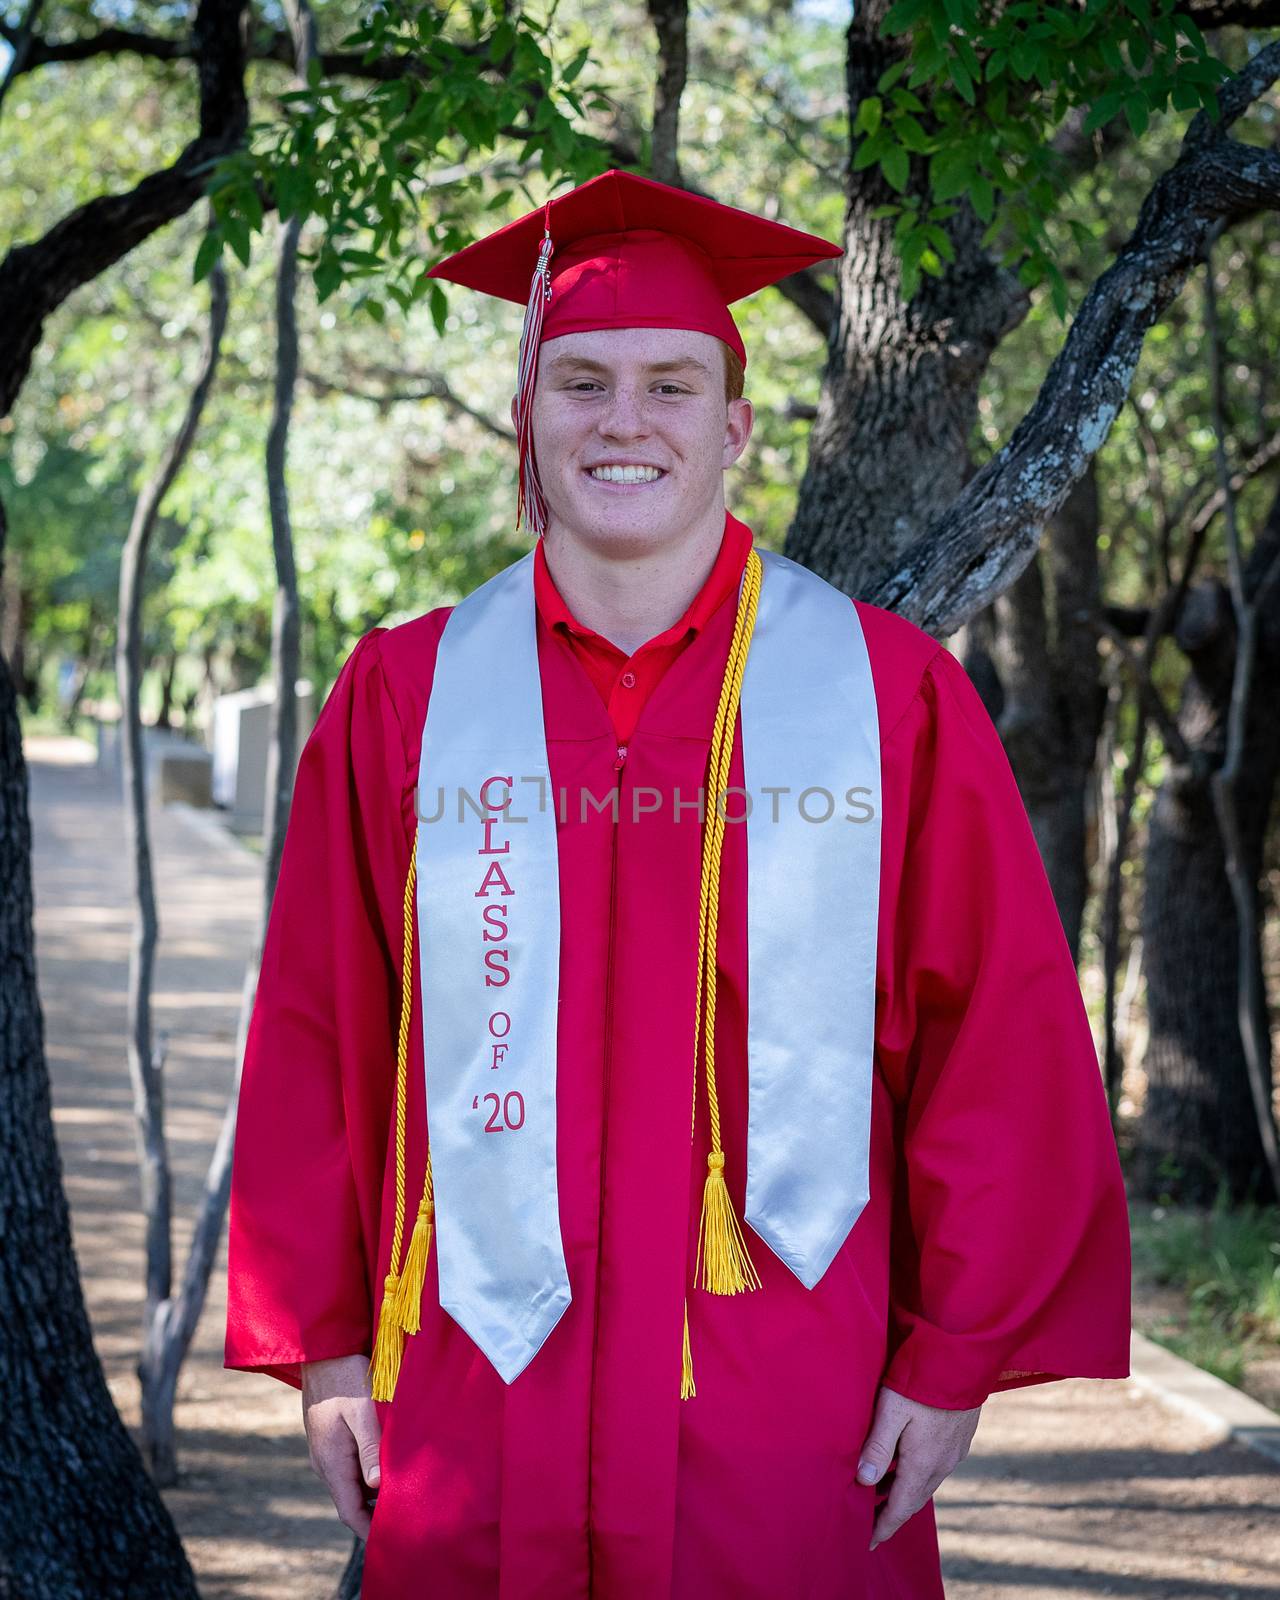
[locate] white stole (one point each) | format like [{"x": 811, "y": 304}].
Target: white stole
[{"x": 489, "y": 945}]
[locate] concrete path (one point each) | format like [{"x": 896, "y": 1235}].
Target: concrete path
[{"x": 1072, "y": 1490}]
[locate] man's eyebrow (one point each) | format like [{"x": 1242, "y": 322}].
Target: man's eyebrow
[{"x": 676, "y": 364}]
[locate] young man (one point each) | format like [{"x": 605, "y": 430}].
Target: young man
[{"x": 667, "y": 1065}]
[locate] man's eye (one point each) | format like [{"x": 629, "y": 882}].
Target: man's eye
[{"x": 674, "y": 386}]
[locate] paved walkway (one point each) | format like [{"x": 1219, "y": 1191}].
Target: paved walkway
[{"x": 1072, "y": 1490}]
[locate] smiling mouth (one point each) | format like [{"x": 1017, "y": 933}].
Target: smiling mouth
[{"x": 627, "y": 478}]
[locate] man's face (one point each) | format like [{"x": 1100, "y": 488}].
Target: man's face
[{"x": 647, "y": 397}]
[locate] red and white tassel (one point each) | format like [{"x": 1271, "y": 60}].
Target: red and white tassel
[{"x": 532, "y": 504}]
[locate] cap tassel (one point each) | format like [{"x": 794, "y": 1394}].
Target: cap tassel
[
  {"x": 531, "y": 503},
  {"x": 723, "y": 1259},
  {"x": 388, "y": 1344}
]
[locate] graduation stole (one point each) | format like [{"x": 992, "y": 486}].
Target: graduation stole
[{"x": 799, "y": 679}]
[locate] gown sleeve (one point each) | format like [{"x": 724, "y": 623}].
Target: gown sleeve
[
  {"x": 320, "y": 1054},
  {"x": 1010, "y": 1259}
]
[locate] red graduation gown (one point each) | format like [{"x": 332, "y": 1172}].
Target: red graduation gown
[{"x": 993, "y": 1252}]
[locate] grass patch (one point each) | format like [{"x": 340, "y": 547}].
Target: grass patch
[{"x": 1226, "y": 1261}]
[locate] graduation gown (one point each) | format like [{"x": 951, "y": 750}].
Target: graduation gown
[{"x": 993, "y": 1250}]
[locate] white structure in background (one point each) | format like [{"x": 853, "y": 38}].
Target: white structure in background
[{"x": 241, "y": 733}]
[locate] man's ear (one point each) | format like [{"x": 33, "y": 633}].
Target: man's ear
[
  {"x": 741, "y": 420},
  {"x": 513, "y": 411}
]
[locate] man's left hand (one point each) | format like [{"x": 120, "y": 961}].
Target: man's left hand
[{"x": 931, "y": 1443}]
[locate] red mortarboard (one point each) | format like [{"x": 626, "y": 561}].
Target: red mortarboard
[{"x": 622, "y": 251}]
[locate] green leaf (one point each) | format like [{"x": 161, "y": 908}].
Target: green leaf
[
  {"x": 1102, "y": 110},
  {"x": 911, "y": 135},
  {"x": 907, "y": 100},
  {"x": 208, "y": 253},
  {"x": 905, "y": 225},
  {"x": 501, "y": 41},
  {"x": 950, "y": 173},
  {"x": 968, "y": 55},
  {"x": 870, "y": 150},
  {"x": 1187, "y": 24},
  {"x": 961, "y": 79},
  {"x": 1058, "y": 290},
  {"x": 1135, "y": 111},
  {"x": 896, "y": 167},
  {"x": 890, "y": 209},
  {"x": 982, "y": 197},
  {"x": 870, "y": 112},
  {"x": 439, "y": 306},
  {"x": 328, "y": 274},
  {"x": 902, "y": 16},
  {"x": 890, "y": 76},
  {"x": 576, "y": 65},
  {"x": 236, "y": 230}
]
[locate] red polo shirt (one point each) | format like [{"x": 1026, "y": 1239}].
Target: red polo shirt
[{"x": 625, "y": 682}]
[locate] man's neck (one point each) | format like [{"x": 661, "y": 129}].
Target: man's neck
[{"x": 634, "y": 597}]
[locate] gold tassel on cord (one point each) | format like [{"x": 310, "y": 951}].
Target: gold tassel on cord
[
  {"x": 388, "y": 1347},
  {"x": 687, "y": 1390},
  {"x": 402, "y": 1288},
  {"x": 409, "y": 1298},
  {"x": 723, "y": 1259}
]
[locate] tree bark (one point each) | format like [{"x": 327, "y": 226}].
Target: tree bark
[
  {"x": 81, "y": 1521},
  {"x": 1046, "y": 655},
  {"x": 166, "y": 1330},
  {"x": 670, "y": 20},
  {"x": 1199, "y": 1128},
  {"x": 36, "y": 278},
  {"x": 884, "y": 510}
]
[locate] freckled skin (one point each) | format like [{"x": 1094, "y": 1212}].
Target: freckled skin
[{"x": 628, "y": 559}]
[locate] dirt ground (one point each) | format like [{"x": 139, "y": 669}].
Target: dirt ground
[{"x": 1076, "y": 1489}]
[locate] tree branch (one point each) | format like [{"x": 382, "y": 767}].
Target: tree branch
[
  {"x": 422, "y": 386},
  {"x": 36, "y": 278},
  {"x": 670, "y": 20},
  {"x": 992, "y": 529}
]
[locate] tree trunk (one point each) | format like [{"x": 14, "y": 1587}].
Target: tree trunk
[
  {"x": 81, "y": 1519},
  {"x": 1199, "y": 1128},
  {"x": 164, "y": 717},
  {"x": 1047, "y": 657},
  {"x": 889, "y": 449}
]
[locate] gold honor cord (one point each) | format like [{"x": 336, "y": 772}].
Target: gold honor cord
[
  {"x": 723, "y": 1259},
  {"x": 400, "y": 1312}
]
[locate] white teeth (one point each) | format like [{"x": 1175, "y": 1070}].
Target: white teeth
[{"x": 626, "y": 474}]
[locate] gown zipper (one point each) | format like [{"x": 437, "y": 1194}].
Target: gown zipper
[{"x": 619, "y": 764}]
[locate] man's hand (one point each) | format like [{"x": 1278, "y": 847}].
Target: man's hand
[
  {"x": 931, "y": 1444},
  {"x": 343, "y": 1433}
]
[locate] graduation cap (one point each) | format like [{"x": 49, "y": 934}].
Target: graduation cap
[{"x": 621, "y": 251}]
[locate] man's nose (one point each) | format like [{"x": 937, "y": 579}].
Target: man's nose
[{"x": 624, "y": 415}]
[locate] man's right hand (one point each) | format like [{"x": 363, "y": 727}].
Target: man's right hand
[{"x": 343, "y": 1433}]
